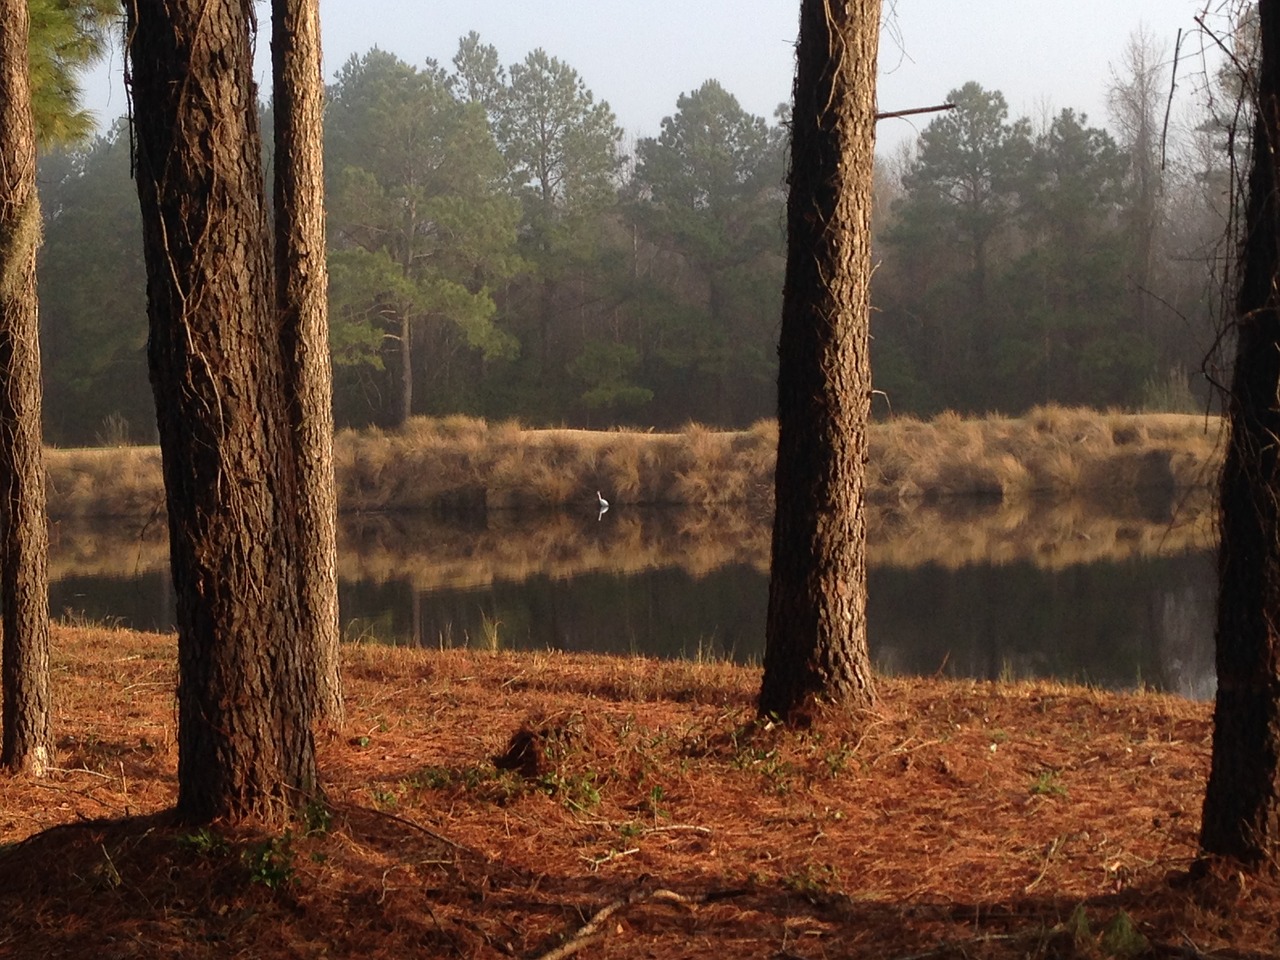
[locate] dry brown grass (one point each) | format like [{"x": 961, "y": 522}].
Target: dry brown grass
[
  {"x": 105, "y": 482},
  {"x": 706, "y": 470},
  {"x": 463, "y": 464},
  {"x": 955, "y": 819}
]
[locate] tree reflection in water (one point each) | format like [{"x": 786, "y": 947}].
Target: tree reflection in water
[{"x": 1117, "y": 597}]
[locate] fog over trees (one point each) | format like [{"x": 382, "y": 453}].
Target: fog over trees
[{"x": 496, "y": 249}]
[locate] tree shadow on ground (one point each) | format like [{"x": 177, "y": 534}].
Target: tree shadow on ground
[{"x": 357, "y": 882}]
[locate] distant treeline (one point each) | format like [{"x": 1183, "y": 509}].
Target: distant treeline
[{"x": 495, "y": 249}]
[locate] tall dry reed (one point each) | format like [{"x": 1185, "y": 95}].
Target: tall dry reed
[{"x": 464, "y": 464}]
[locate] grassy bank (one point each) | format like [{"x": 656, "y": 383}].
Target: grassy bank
[
  {"x": 956, "y": 819},
  {"x": 465, "y": 465}
]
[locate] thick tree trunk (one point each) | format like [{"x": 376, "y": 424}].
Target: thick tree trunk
[
  {"x": 24, "y": 539},
  {"x": 1242, "y": 802},
  {"x": 816, "y": 644},
  {"x": 302, "y": 295},
  {"x": 245, "y": 744}
]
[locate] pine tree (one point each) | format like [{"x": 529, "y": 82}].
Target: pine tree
[
  {"x": 816, "y": 642},
  {"x": 24, "y": 605},
  {"x": 245, "y": 678}
]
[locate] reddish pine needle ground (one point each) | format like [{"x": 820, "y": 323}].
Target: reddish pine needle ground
[{"x": 644, "y": 816}]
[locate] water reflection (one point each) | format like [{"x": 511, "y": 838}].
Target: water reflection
[
  {"x": 1117, "y": 624},
  {"x": 1119, "y": 598},
  {"x": 662, "y": 613}
]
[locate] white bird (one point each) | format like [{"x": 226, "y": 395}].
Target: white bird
[{"x": 603, "y": 504}]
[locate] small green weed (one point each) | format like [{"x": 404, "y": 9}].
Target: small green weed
[
  {"x": 384, "y": 799},
  {"x": 769, "y": 764},
  {"x": 837, "y": 760},
  {"x": 270, "y": 863},
  {"x": 205, "y": 842},
  {"x": 1120, "y": 938},
  {"x": 432, "y": 778},
  {"x": 483, "y": 782},
  {"x": 1048, "y": 785},
  {"x": 498, "y": 787},
  {"x": 654, "y": 801},
  {"x": 317, "y": 818},
  {"x": 470, "y": 779},
  {"x": 1077, "y": 926},
  {"x": 577, "y": 792}
]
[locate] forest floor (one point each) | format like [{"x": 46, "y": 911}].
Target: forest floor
[{"x": 647, "y": 815}]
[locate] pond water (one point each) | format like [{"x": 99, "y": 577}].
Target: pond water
[{"x": 1119, "y": 601}]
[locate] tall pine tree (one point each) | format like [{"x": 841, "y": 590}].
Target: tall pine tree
[
  {"x": 245, "y": 677},
  {"x": 816, "y": 642}
]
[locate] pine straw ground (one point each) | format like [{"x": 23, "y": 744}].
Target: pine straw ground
[{"x": 957, "y": 819}]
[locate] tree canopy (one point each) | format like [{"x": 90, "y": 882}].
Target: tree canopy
[
  {"x": 66, "y": 37},
  {"x": 488, "y": 216},
  {"x": 419, "y": 224}
]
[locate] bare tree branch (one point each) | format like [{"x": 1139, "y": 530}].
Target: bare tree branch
[{"x": 892, "y": 114}]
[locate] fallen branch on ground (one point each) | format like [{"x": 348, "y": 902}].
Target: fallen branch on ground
[{"x": 592, "y": 931}]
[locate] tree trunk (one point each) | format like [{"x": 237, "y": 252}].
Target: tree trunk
[
  {"x": 24, "y": 538},
  {"x": 406, "y": 368},
  {"x": 245, "y": 744},
  {"x": 302, "y": 297},
  {"x": 816, "y": 642},
  {"x": 1242, "y": 802}
]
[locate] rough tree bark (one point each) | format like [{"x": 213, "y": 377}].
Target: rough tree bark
[
  {"x": 1242, "y": 801},
  {"x": 816, "y": 644},
  {"x": 245, "y": 745},
  {"x": 406, "y": 369},
  {"x": 24, "y": 539},
  {"x": 302, "y": 283}
]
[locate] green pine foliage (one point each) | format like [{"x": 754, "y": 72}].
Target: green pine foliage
[
  {"x": 497, "y": 249},
  {"x": 1013, "y": 270},
  {"x": 66, "y": 37},
  {"x": 420, "y": 227}
]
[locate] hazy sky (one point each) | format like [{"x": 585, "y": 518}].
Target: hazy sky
[{"x": 640, "y": 56}]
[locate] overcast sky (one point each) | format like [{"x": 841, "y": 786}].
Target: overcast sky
[{"x": 640, "y": 56}]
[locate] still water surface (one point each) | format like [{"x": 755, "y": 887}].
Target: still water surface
[{"x": 1135, "y": 608}]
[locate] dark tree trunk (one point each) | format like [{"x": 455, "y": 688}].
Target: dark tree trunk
[
  {"x": 816, "y": 643},
  {"x": 245, "y": 744},
  {"x": 406, "y": 369},
  {"x": 24, "y": 537},
  {"x": 1242, "y": 802},
  {"x": 302, "y": 292}
]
